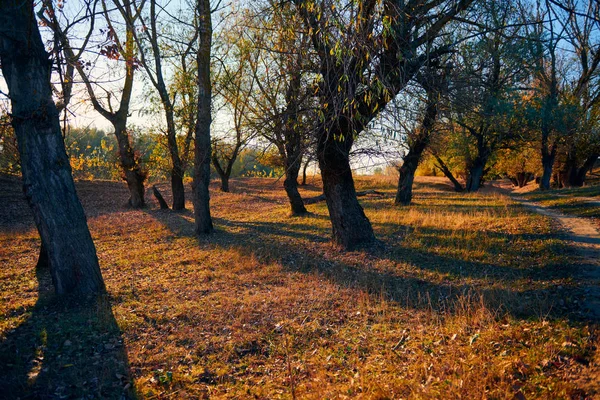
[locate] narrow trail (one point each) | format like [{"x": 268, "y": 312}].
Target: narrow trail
[{"x": 584, "y": 236}]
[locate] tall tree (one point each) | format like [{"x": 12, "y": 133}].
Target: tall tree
[
  {"x": 367, "y": 52},
  {"x": 152, "y": 45},
  {"x": 432, "y": 80},
  {"x": 202, "y": 146},
  {"x": 47, "y": 180},
  {"x": 282, "y": 105},
  {"x": 489, "y": 70},
  {"x": 117, "y": 48}
]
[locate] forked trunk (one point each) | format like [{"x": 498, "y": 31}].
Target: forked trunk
[
  {"x": 577, "y": 175},
  {"x": 475, "y": 177},
  {"x": 47, "y": 181},
  {"x": 132, "y": 171}
]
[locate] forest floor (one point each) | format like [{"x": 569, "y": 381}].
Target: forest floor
[{"x": 466, "y": 296}]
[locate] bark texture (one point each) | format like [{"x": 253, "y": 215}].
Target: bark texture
[
  {"x": 350, "y": 226},
  {"x": 47, "y": 179},
  {"x": 420, "y": 141},
  {"x": 458, "y": 187},
  {"x": 202, "y": 150}
]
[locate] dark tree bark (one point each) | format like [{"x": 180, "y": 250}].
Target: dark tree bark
[
  {"x": 157, "y": 79},
  {"x": 573, "y": 175},
  {"x": 47, "y": 180},
  {"x": 161, "y": 201},
  {"x": 202, "y": 150},
  {"x": 432, "y": 83},
  {"x": 304, "y": 168},
  {"x": 224, "y": 170},
  {"x": 354, "y": 88},
  {"x": 133, "y": 173},
  {"x": 446, "y": 171},
  {"x": 351, "y": 227},
  {"x": 476, "y": 172},
  {"x": 548, "y": 158},
  {"x": 293, "y": 162}
]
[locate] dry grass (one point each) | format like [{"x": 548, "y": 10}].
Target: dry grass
[
  {"x": 466, "y": 296},
  {"x": 580, "y": 202}
]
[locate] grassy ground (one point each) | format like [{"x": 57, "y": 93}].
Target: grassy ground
[
  {"x": 466, "y": 296},
  {"x": 580, "y": 202}
]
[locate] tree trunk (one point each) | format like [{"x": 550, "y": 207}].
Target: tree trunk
[
  {"x": 178, "y": 189},
  {"x": 406, "y": 177},
  {"x": 304, "y": 168},
  {"x": 292, "y": 168},
  {"x": 42, "y": 258},
  {"x": 475, "y": 177},
  {"x": 161, "y": 201},
  {"x": 132, "y": 171},
  {"x": 416, "y": 147},
  {"x": 223, "y": 173},
  {"x": 351, "y": 227},
  {"x": 577, "y": 177},
  {"x": 47, "y": 180},
  {"x": 202, "y": 150},
  {"x": 224, "y": 183},
  {"x": 446, "y": 171},
  {"x": 547, "y": 165}
]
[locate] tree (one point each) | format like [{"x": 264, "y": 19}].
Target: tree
[
  {"x": 117, "y": 48},
  {"x": 47, "y": 180},
  {"x": 581, "y": 92},
  {"x": 202, "y": 151},
  {"x": 282, "y": 109},
  {"x": 489, "y": 70},
  {"x": 366, "y": 55},
  {"x": 433, "y": 81},
  {"x": 233, "y": 84},
  {"x": 152, "y": 59}
]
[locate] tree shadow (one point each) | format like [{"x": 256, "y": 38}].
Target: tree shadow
[
  {"x": 16, "y": 216},
  {"x": 412, "y": 287},
  {"x": 66, "y": 348}
]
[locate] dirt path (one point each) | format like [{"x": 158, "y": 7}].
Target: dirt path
[{"x": 586, "y": 239}]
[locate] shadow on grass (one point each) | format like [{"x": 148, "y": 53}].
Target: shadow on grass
[
  {"x": 67, "y": 349},
  {"x": 411, "y": 287}
]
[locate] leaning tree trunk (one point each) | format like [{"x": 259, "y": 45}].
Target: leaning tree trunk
[
  {"x": 293, "y": 161},
  {"x": 132, "y": 171},
  {"x": 202, "y": 150},
  {"x": 446, "y": 171},
  {"x": 47, "y": 179},
  {"x": 351, "y": 227}
]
